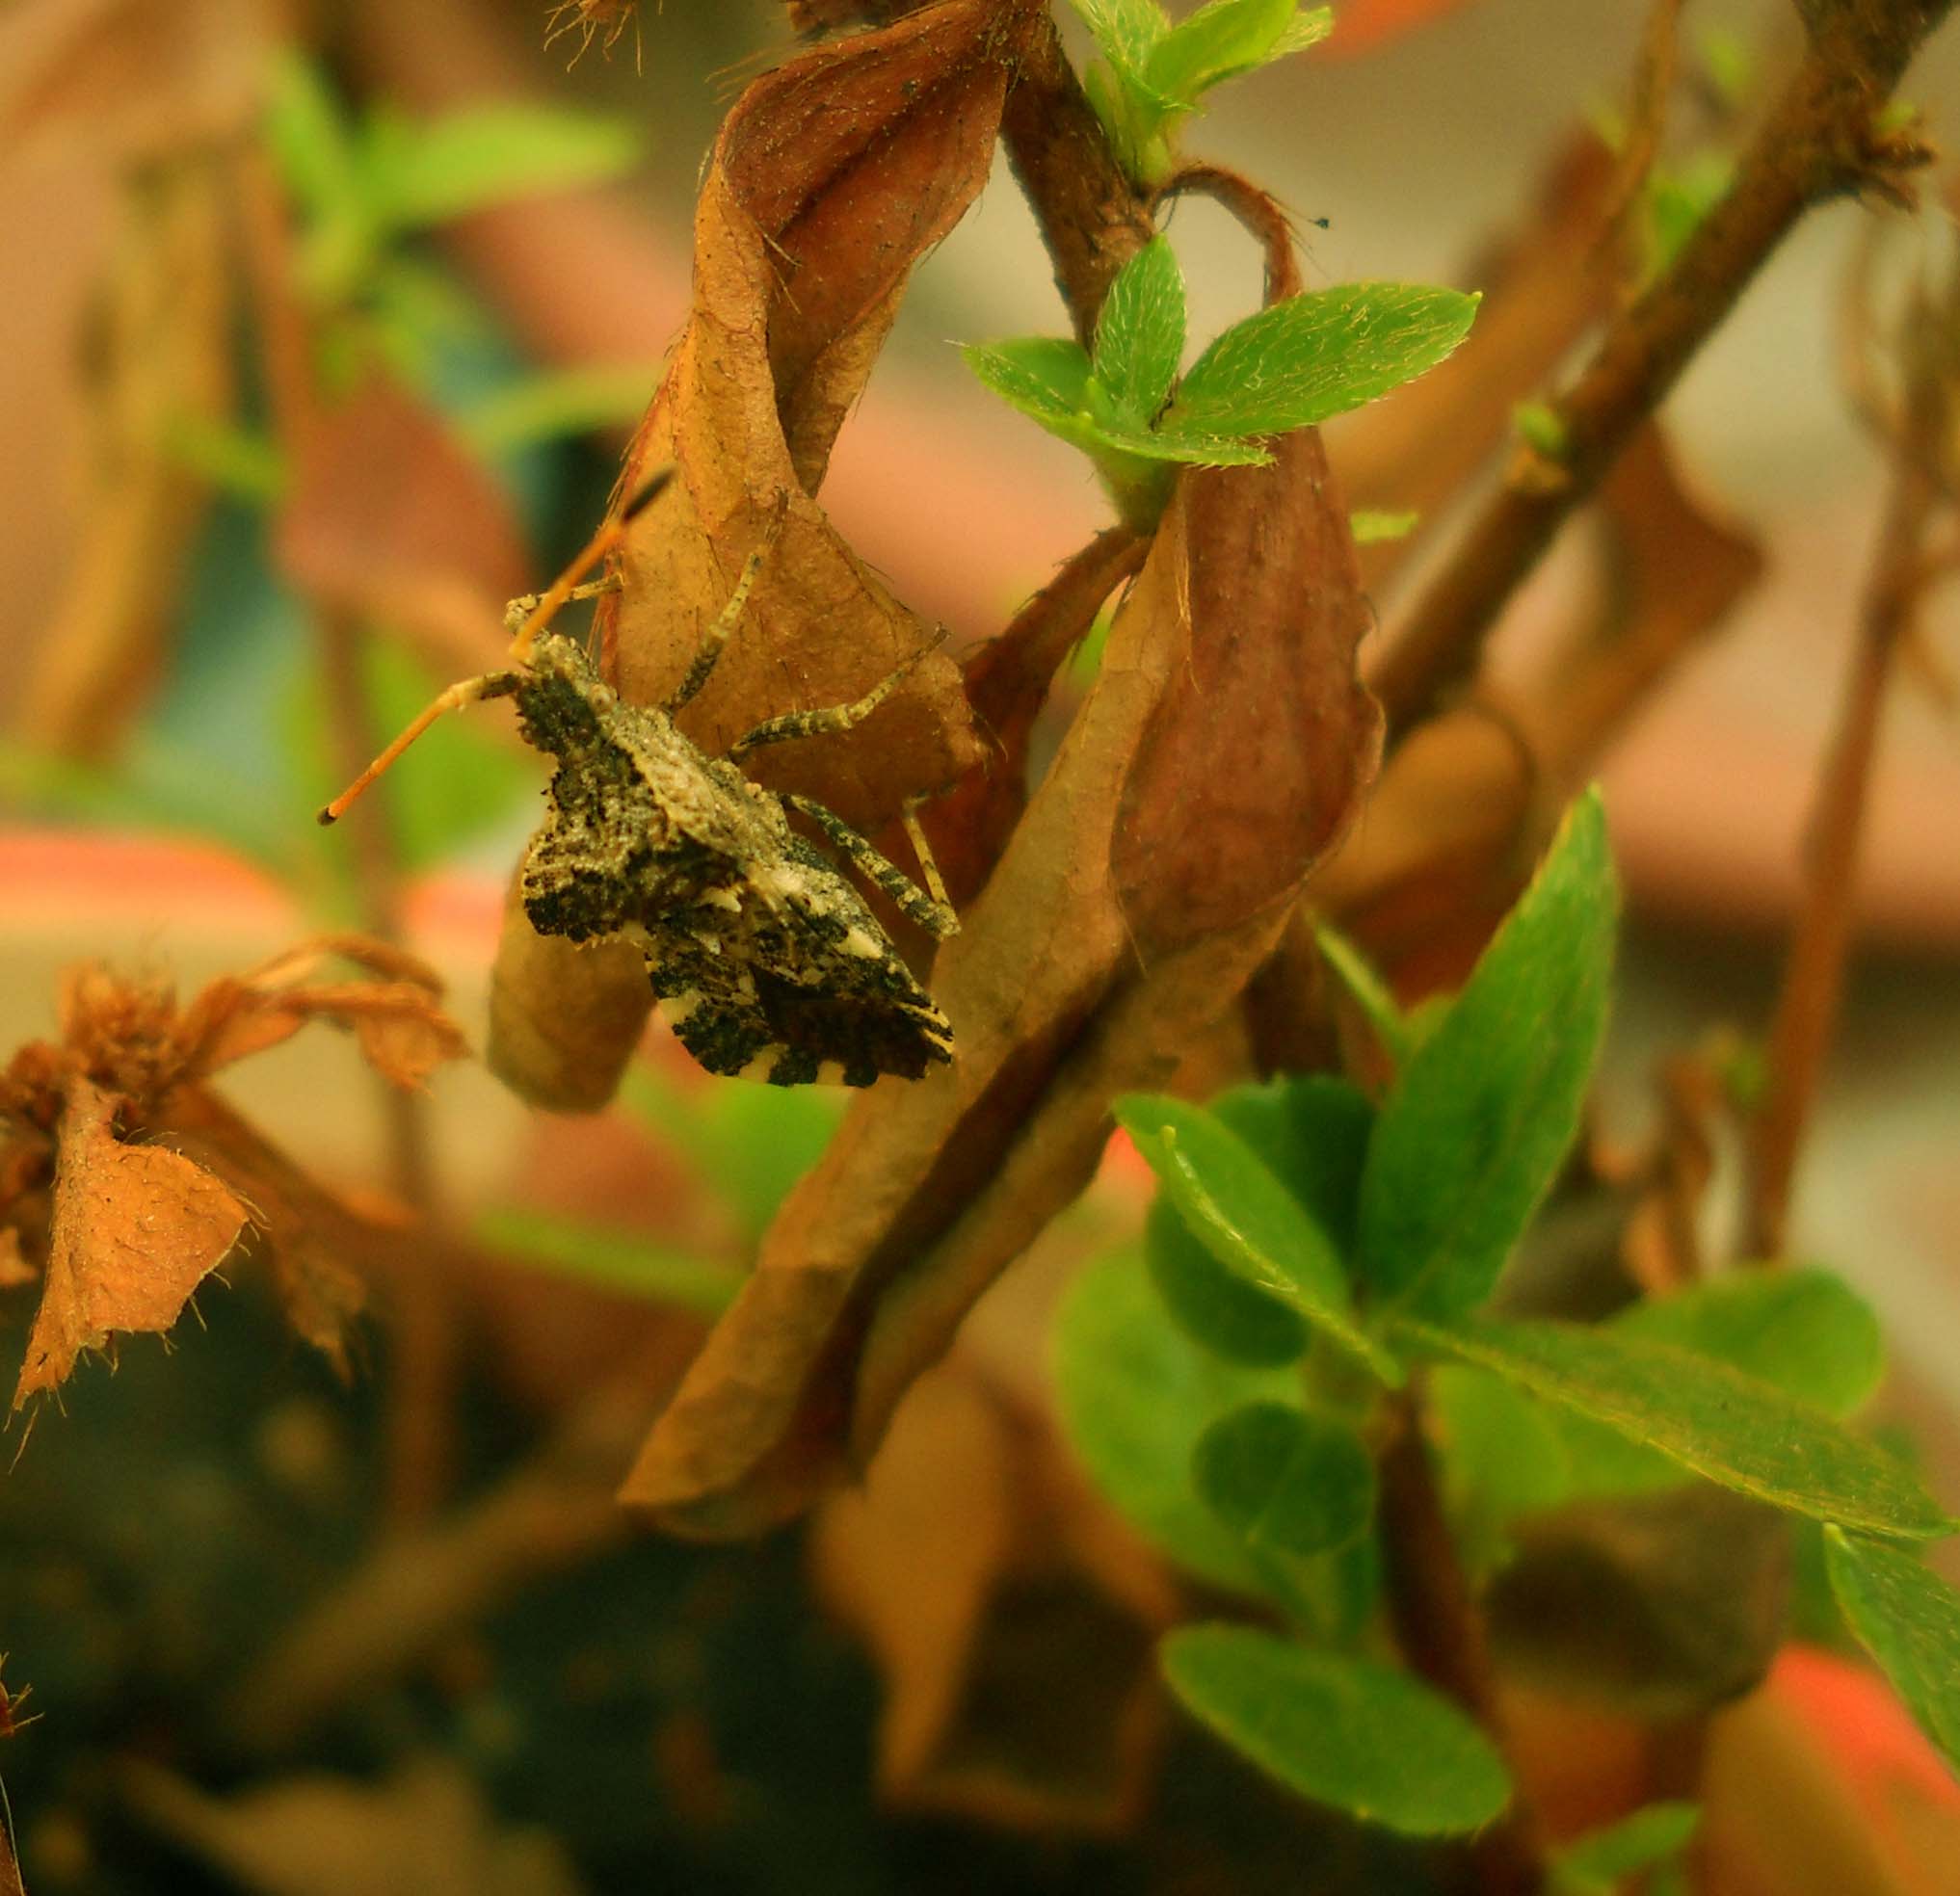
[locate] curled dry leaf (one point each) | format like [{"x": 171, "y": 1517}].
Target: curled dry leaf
[
  {"x": 831, "y": 178},
  {"x": 136, "y": 1231},
  {"x": 1081, "y": 971},
  {"x": 152, "y": 1179}
]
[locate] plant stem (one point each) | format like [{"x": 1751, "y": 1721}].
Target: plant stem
[
  {"x": 1091, "y": 216},
  {"x": 1813, "y": 978},
  {"x": 1257, "y": 209},
  {"x": 1440, "y": 1634},
  {"x": 1817, "y": 141}
]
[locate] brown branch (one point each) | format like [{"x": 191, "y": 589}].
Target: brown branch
[
  {"x": 1258, "y": 210},
  {"x": 1440, "y": 1634},
  {"x": 1652, "y": 85},
  {"x": 1814, "y": 979},
  {"x": 1093, "y": 218},
  {"x": 1817, "y": 141}
]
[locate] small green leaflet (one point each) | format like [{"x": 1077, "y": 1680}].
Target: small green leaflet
[
  {"x": 1291, "y": 1482},
  {"x": 1344, "y": 1731},
  {"x": 1599, "y": 1862},
  {"x": 1140, "y": 334}
]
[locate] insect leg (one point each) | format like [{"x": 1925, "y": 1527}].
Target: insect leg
[
  {"x": 932, "y": 912},
  {"x": 565, "y": 586},
  {"x": 493, "y": 684},
  {"x": 517, "y": 610},
  {"x": 728, "y": 617},
  {"x": 837, "y": 717}
]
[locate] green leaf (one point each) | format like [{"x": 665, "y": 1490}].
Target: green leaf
[
  {"x": 610, "y": 1260},
  {"x": 1135, "y": 1396},
  {"x": 1249, "y": 1222},
  {"x": 1124, "y": 30},
  {"x": 1370, "y": 526},
  {"x": 1219, "y": 41},
  {"x": 1296, "y": 362},
  {"x": 1186, "y": 446},
  {"x": 1804, "y": 1332},
  {"x": 1362, "y": 1737},
  {"x": 1599, "y": 1862},
  {"x": 1312, "y": 1133},
  {"x": 1470, "y": 1137},
  {"x": 1045, "y": 377},
  {"x": 1306, "y": 29},
  {"x": 1909, "y": 1619},
  {"x": 1288, "y": 1481},
  {"x": 1140, "y": 333},
  {"x": 427, "y": 172},
  {"x": 314, "y": 146},
  {"x": 1732, "y": 1429}
]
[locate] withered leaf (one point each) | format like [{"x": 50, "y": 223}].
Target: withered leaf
[
  {"x": 831, "y": 177},
  {"x": 136, "y": 1229},
  {"x": 313, "y": 1239},
  {"x": 1074, "y": 979}
]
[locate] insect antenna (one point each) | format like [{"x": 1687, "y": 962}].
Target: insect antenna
[{"x": 501, "y": 684}]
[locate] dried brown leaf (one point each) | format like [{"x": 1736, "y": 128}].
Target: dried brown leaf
[
  {"x": 136, "y": 1229},
  {"x": 831, "y": 177},
  {"x": 1072, "y": 980},
  {"x": 313, "y": 1239},
  {"x": 563, "y": 1019}
]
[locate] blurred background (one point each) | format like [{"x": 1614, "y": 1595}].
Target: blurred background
[{"x": 165, "y": 693}]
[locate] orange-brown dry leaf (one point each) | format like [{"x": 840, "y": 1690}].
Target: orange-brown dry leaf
[
  {"x": 1007, "y": 683},
  {"x": 389, "y": 520},
  {"x": 564, "y": 1016},
  {"x": 136, "y": 1229},
  {"x": 313, "y": 1239},
  {"x": 831, "y": 177},
  {"x": 1072, "y": 980},
  {"x": 1018, "y": 1687}
]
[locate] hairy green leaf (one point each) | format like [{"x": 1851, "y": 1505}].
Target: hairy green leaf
[
  {"x": 1468, "y": 1140},
  {"x": 1296, "y": 362},
  {"x": 1222, "y": 39},
  {"x": 1140, "y": 334},
  {"x": 1124, "y": 30},
  {"x": 1363, "y": 1737}
]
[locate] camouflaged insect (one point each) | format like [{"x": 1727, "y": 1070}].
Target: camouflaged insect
[{"x": 766, "y": 962}]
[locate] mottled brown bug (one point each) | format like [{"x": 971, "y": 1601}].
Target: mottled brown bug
[{"x": 766, "y": 962}]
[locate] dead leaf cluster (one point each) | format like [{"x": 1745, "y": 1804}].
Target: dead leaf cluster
[{"x": 129, "y": 1180}]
